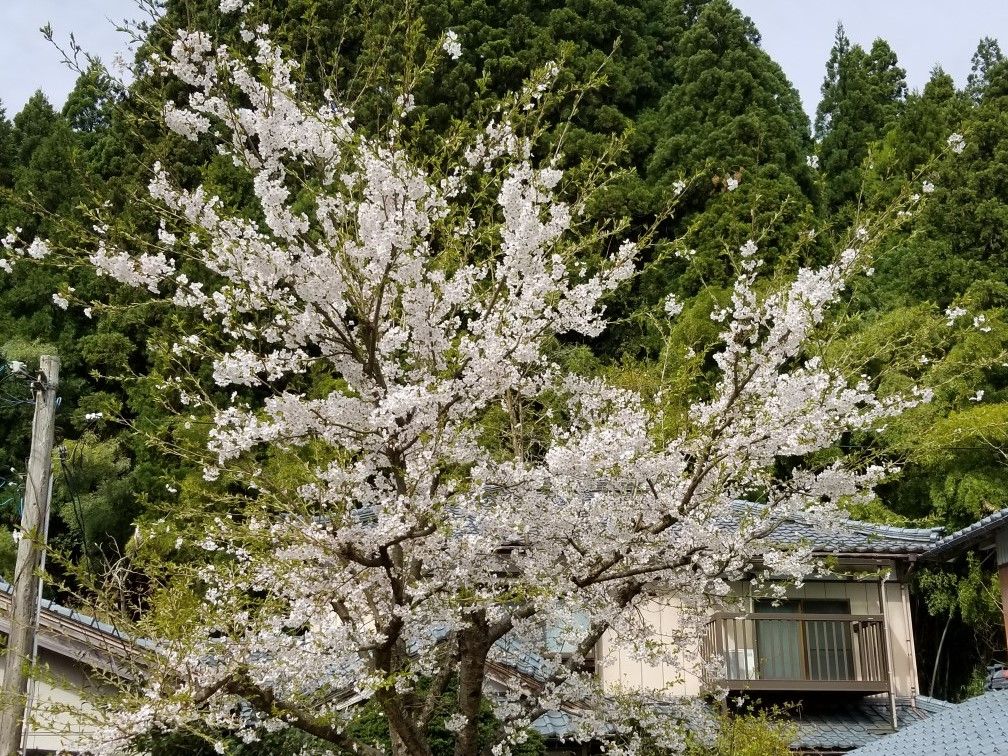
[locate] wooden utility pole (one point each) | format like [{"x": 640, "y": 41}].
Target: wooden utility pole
[{"x": 31, "y": 547}]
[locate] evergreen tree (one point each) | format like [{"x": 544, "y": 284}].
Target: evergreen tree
[
  {"x": 6, "y": 148},
  {"x": 917, "y": 136},
  {"x": 53, "y": 179},
  {"x": 961, "y": 236},
  {"x": 731, "y": 105},
  {"x": 943, "y": 279},
  {"x": 733, "y": 121},
  {"x": 32, "y": 124},
  {"x": 987, "y": 56},
  {"x": 861, "y": 96},
  {"x": 88, "y": 106}
]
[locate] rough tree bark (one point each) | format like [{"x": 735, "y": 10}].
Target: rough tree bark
[{"x": 474, "y": 645}]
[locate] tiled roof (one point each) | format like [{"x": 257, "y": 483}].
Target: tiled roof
[
  {"x": 516, "y": 655},
  {"x": 976, "y": 727},
  {"x": 969, "y": 535},
  {"x": 852, "y": 536},
  {"x": 554, "y": 724},
  {"x": 829, "y": 727},
  {"x": 861, "y": 538},
  {"x": 836, "y": 726},
  {"x": 845, "y": 537}
]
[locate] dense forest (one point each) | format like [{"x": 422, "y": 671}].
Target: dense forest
[{"x": 704, "y": 122}]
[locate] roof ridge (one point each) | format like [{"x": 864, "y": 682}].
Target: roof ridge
[
  {"x": 965, "y": 536},
  {"x": 913, "y": 533}
]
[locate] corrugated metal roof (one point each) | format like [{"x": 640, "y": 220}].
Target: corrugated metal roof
[
  {"x": 71, "y": 614},
  {"x": 81, "y": 637},
  {"x": 968, "y": 536},
  {"x": 976, "y": 727}
]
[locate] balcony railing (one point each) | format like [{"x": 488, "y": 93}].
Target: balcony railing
[{"x": 802, "y": 652}]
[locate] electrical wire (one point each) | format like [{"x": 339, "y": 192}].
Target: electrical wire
[{"x": 8, "y": 384}]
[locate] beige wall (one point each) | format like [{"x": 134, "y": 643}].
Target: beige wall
[
  {"x": 60, "y": 687},
  {"x": 620, "y": 668}
]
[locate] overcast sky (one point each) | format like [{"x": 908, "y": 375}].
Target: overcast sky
[
  {"x": 28, "y": 62},
  {"x": 797, "y": 33}
]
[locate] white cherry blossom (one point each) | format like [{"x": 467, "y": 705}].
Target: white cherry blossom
[{"x": 448, "y": 521}]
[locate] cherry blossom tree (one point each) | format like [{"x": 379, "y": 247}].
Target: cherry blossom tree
[{"x": 388, "y": 316}]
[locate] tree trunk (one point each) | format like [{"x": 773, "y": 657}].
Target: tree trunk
[
  {"x": 407, "y": 738},
  {"x": 474, "y": 644},
  {"x": 941, "y": 645},
  {"x": 398, "y": 746}
]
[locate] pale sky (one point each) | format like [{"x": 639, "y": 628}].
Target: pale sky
[
  {"x": 797, "y": 34},
  {"x": 28, "y": 62}
]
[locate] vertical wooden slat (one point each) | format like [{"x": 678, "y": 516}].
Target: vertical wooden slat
[
  {"x": 826, "y": 650},
  {"x": 772, "y": 651},
  {"x": 832, "y": 662},
  {"x": 868, "y": 642},
  {"x": 870, "y": 648},
  {"x": 880, "y": 651},
  {"x": 806, "y": 634},
  {"x": 811, "y": 662},
  {"x": 843, "y": 668},
  {"x": 733, "y": 651},
  {"x": 807, "y": 645},
  {"x": 815, "y": 671},
  {"x": 822, "y": 651},
  {"x": 876, "y": 651},
  {"x": 848, "y": 653},
  {"x": 860, "y": 670},
  {"x": 766, "y": 653},
  {"x": 737, "y": 630},
  {"x": 724, "y": 645},
  {"x": 782, "y": 639},
  {"x": 841, "y": 651}
]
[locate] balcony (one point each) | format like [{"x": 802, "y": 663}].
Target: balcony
[{"x": 798, "y": 652}]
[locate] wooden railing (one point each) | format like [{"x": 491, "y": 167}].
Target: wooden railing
[{"x": 840, "y": 652}]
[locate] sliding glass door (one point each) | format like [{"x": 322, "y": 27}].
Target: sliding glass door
[
  {"x": 778, "y": 640},
  {"x": 790, "y": 647}
]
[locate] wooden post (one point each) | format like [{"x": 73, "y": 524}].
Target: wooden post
[
  {"x": 31, "y": 546},
  {"x": 887, "y": 649}
]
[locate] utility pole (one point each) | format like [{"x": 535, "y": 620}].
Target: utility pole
[{"x": 31, "y": 547}]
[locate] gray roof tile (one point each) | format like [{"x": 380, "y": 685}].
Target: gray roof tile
[
  {"x": 950, "y": 544},
  {"x": 554, "y": 724},
  {"x": 850, "y": 536},
  {"x": 836, "y": 726},
  {"x": 975, "y": 727}
]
